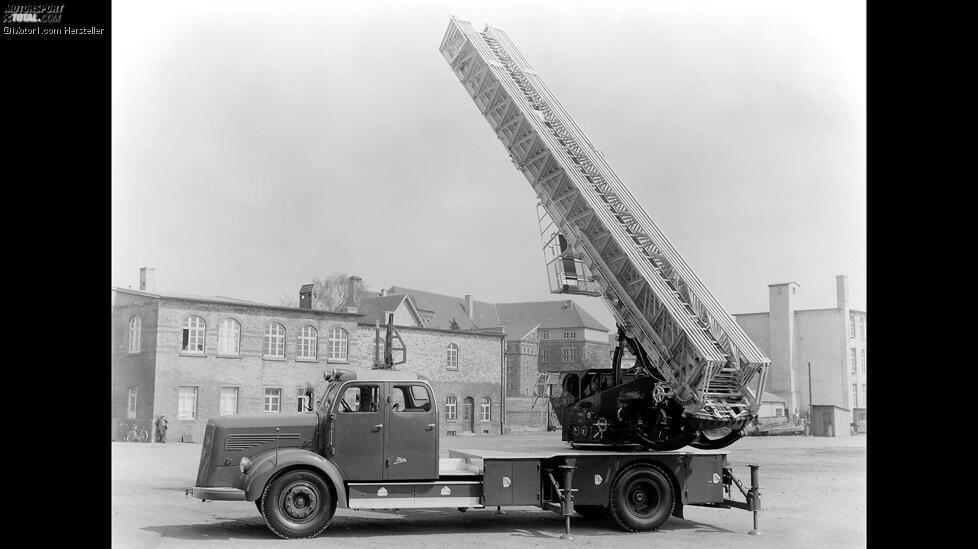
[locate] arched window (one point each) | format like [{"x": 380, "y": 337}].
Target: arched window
[
  {"x": 486, "y": 409},
  {"x": 307, "y": 342},
  {"x": 228, "y": 337},
  {"x": 452, "y": 356},
  {"x": 451, "y": 409},
  {"x": 338, "y": 344},
  {"x": 274, "y": 344},
  {"x": 135, "y": 334},
  {"x": 193, "y": 335}
]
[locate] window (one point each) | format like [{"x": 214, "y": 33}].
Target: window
[
  {"x": 546, "y": 334},
  {"x": 855, "y": 402},
  {"x": 229, "y": 401},
  {"x": 779, "y": 411},
  {"x": 486, "y": 409},
  {"x": 451, "y": 409},
  {"x": 852, "y": 360},
  {"x": 863, "y": 352},
  {"x": 452, "y": 356},
  {"x": 228, "y": 337},
  {"x": 131, "y": 409},
  {"x": 863, "y": 395},
  {"x": 360, "y": 398},
  {"x": 544, "y": 354},
  {"x": 571, "y": 334},
  {"x": 135, "y": 334},
  {"x": 307, "y": 342},
  {"x": 304, "y": 398},
  {"x": 274, "y": 344},
  {"x": 187, "y": 403},
  {"x": 410, "y": 398},
  {"x": 338, "y": 344},
  {"x": 852, "y": 325},
  {"x": 862, "y": 327},
  {"x": 568, "y": 354},
  {"x": 273, "y": 401},
  {"x": 193, "y": 335}
]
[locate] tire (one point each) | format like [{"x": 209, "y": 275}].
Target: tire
[
  {"x": 258, "y": 502},
  {"x": 297, "y": 504},
  {"x": 641, "y": 499},
  {"x": 131, "y": 436},
  {"x": 592, "y": 512},
  {"x": 143, "y": 435}
]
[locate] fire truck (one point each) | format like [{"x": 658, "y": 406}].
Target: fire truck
[{"x": 372, "y": 442}]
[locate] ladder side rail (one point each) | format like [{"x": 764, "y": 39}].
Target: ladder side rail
[{"x": 708, "y": 301}]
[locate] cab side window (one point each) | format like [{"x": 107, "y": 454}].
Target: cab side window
[
  {"x": 410, "y": 398},
  {"x": 360, "y": 399}
]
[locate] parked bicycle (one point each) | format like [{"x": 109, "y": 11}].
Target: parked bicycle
[{"x": 136, "y": 433}]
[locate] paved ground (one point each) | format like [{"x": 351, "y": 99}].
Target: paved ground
[{"x": 813, "y": 490}]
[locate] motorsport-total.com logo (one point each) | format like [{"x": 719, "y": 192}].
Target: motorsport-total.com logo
[{"x": 33, "y": 13}]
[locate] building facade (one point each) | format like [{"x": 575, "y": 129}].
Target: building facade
[
  {"x": 191, "y": 358},
  {"x": 818, "y": 357}
]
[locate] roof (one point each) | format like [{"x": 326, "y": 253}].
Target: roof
[
  {"x": 225, "y": 301},
  {"x": 373, "y": 308},
  {"x": 548, "y": 315},
  {"x": 771, "y": 397},
  {"x": 447, "y": 308}
]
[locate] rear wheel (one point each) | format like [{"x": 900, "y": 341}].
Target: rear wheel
[
  {"x": 641, "y": 498},
  {"x": 298, "y": 504}
]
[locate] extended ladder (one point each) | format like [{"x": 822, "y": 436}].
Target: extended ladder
[{"x": 709, "y": 363}]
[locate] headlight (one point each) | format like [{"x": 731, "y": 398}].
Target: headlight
[{"x": 244, "y": 465}]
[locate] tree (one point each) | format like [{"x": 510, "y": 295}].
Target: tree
[
  {"x": 288, "y": 300},
  {"x": 332, "y": 292}
]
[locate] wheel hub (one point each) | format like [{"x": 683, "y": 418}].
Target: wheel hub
[{"x": 300, "y": 501}]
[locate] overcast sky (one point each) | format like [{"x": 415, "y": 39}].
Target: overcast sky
[{"x": 259, "y": 144}]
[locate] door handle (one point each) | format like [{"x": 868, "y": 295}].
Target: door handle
[
  {"x": 379, "y": 426},
  {"x": 430, "y": 426}
]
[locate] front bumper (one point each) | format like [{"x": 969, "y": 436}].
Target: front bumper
[{"x": 216, "y": 493}]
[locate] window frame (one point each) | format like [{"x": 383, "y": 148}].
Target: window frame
[
  {"x": 452, "y": 357},
  {"x": 221, "y": 337},
  {"x": 197, "y": 333},
  {"x": 852, "y": 361},
  {"x": 451, "y": 409},
  {"x": 268, "y": 338},
  {"x": 485, "y": 409},
  {"x": 266, "y": 401},
  {"x": 135, "y": 329},
  {"x": 180, "y": 401},
  {"x": 568, "y": 351},
  {"x": 339, "y": 339},
  {"x": 544, "y": 354},
  {"x": 220, "y": 402},
  {"x": 303, "y": 340}
]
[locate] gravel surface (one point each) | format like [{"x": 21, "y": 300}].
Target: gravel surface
[{"x": 813, "y": 495}]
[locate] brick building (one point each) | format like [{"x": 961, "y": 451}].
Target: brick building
[
  {"x": 193, "y": 357},
  {"x": 831, "y": 340}
]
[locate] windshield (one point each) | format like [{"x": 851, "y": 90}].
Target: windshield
[{"x": 331, "y": 390}]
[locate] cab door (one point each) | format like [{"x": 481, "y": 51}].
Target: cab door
[
  {"x": 358, "y": 431},
  {"x": 412, "y": 440}
]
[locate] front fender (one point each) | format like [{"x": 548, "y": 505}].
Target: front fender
[{"x": 265, "y": 465}]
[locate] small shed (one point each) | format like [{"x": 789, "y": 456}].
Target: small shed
[
  {"x": 773, "y": 408},
  {"x": 829, "y": 420}
]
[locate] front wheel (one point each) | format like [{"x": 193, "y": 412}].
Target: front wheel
[
  {"x": 641, "y": 498},
  {"x": 298, "y": 504},
  {"x": 143, "y": 435}
]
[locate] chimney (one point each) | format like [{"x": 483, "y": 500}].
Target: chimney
[
  {"x": 842, "y": 291},
  {"x": 349, "y": 306},
  {"x": 147, "y": 279},
  {"x": 469, "y": 306},
  {"x": 383, "y": 292},
  {"x": 305, "y": 296}
]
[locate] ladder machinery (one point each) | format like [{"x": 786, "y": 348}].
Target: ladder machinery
[{"x": 698, "y": 378}]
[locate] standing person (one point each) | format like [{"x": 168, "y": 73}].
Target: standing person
[{"x": 161, "y": 429}]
